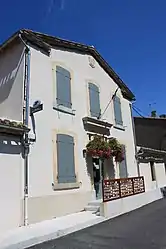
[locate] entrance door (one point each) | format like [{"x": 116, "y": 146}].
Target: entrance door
[{"x": 97, "y": 174}]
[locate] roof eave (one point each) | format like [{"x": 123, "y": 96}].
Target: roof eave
[{"x": 53, "y": 41}]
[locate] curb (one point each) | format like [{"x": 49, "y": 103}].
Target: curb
[{"x": 60, "y": 233}]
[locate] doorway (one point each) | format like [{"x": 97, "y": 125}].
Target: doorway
[{"x": 97, "y": 177}]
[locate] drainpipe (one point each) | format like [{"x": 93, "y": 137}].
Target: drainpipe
[
  {"x": 135, "y": 144},
  {"x": 25, "y": 122}
]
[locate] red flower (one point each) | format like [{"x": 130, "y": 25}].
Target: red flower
[{"x": 100, "y": 153}]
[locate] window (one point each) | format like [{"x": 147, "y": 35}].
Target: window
[
  {"x": 65, "y": 159},
  {"x": 63, "y": 87},
  {"x": 94, "y": 100},
  {"x": 123, "y": 165},
  {"x": 153, "y": 173},
  {"x": 117, "y": 111}
]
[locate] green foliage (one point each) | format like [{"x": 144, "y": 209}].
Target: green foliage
[{"x": 99, "y": 147}]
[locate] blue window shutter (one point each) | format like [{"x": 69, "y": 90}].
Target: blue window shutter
[
  {"x": 65, "y": 159},
  {"x": 63, "y": 87},
  {"x": 123, "y": 166},
  {"x": 117, "y": 111},
  {"x": 94, "y": 100}
]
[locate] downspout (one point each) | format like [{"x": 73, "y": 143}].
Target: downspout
[
  {"x": 135, "y": 143},
  {"x": 26, "y": 122}
]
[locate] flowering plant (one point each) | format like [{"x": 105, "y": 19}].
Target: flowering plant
[
  {"x": 117, "y": 149},
  {"x": 105, "y": 149},
  {"x": 98, "y": 147}
]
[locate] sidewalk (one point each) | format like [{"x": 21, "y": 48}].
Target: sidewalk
[{"x": 50, "y": 229}]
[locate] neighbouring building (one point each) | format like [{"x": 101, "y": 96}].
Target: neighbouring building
[
  {"x": 151, "y": 146},
  {"x": 79, "y": 95}
]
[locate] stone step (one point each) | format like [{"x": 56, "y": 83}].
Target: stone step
[
  {"x": 92, "y": 208},
  {"x": 95, "y": 203}
]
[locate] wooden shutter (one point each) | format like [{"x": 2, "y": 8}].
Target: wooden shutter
[
  {"x": 117, "y": 111},
  {"x": 94, "y": 100},
  {"x": 63, "y": 87},
  {"x": 65, "y": 159},
  {"x": 123, "y": 166}
]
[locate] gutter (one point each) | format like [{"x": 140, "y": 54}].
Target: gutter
[
  {"x": 26, "y": 122},
  {"x": 135, "y": 143}
]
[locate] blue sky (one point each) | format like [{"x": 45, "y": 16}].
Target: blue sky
[{"x": 130, "y": 35}]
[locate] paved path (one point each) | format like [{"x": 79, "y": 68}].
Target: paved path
[{"x": 144, "y": 228}]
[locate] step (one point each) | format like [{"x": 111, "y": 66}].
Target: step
[
  {"x": 92, "y": 208},
  {"x": 95, "y": 203}
]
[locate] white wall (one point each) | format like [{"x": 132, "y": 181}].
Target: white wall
[
  {"x": 160, "y": 175},
  {"x": 50, "y": 121},
  {"x": 11, "y": 82},
  {"x": 117, "y": 207},
  {"x": 11, "y": 183},
  {"x": 11, "y": 162}
]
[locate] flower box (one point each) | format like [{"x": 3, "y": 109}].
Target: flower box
[{"x": 12, "y": 127}]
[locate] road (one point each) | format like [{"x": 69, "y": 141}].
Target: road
[{"x": 144, "y": 228}]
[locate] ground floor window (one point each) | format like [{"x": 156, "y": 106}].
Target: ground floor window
[{"x": 65, "y": 159}]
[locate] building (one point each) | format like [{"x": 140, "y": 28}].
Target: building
[
  {"x": 78, "y": 95},
  {"x": 151, "y": 146}
]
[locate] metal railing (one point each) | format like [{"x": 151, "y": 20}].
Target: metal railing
[{"x": 119, "y": 188}]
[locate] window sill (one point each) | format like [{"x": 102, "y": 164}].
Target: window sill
[
  {"x": 119, "y": 127},
  {"x": 65, "y": 186},
  {"x": 63, "y": 109}
]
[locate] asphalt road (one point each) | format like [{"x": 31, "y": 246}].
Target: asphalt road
[{"x": 144, "y": 228}]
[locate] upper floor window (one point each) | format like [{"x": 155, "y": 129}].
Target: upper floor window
[
  {"x": 65, "y": 159},
  {"x": 94, "y": 99},
  {"x": 63, "y": 87},
  {"x": 117, "y": 111}
]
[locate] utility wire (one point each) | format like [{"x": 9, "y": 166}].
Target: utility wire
[{"x": 137, "y": 112}]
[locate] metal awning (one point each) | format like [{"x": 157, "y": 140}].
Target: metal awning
[{"x": 148, "y": 154}]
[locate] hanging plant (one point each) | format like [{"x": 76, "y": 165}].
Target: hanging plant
[
  {"x": 117, "y": 149},
  {"x": 119, "y": 157},
  {"x": 98, "y": 147}
]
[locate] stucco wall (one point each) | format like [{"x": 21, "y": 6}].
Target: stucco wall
[
  {"x": 11, "y": 183},
  {"x": 160, "y": 175},
  {"x": 49, "y": 122},
  {"x": 118, "y": 207},
  {"x": 11, "y": 162},
  {"x": 11, "y": 82}
]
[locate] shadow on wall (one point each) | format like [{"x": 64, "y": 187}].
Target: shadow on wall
[
  {"x": 89, "y": 166},
  {"x": 10, "y": 145},
  {"x": 109, "y": 169},
  {"x": 9, "y": 68}
]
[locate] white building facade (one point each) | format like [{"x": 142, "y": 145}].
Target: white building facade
[
  {"x": 57, "y": 125},
  {"x": 72, "y": 84}
]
